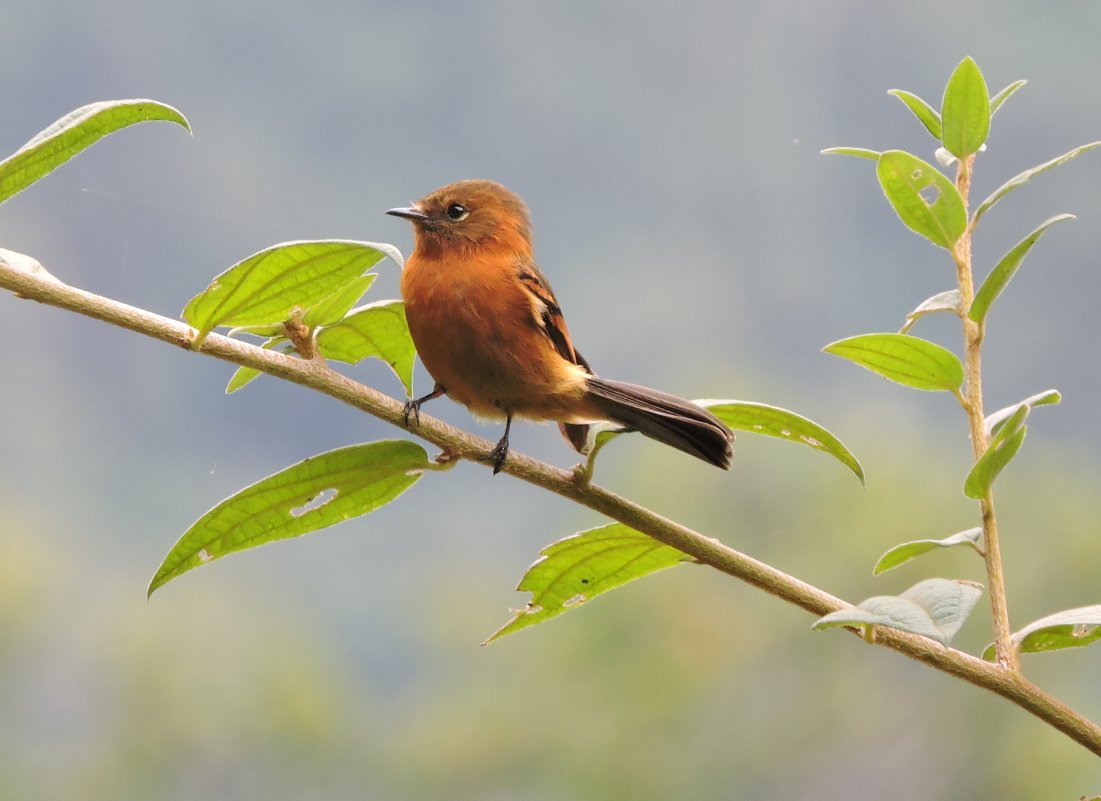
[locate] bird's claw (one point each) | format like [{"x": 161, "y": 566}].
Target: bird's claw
[
  {"x": 498, "y": 456},
  {"x": 412, "y": 409}
]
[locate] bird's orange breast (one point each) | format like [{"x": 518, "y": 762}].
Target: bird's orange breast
[{"x": 478, "y": 334}]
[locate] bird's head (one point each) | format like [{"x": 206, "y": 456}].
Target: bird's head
[{"x": 466, "y": 215}]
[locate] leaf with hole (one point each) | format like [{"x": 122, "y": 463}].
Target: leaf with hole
[
  {"x": 1020, "y": 180},
  {"x": 940, "y": 302},
  {"x": 904, "y": 359},
  {"x": 965, "y": 110},
  {"x": 859, "y": 152},
  {"x": 1071, "y": 628},
  {"x": 333, "y": 308},
  {"x": 922, "y": 197},
  {"x": 772, "y": 421},
  {"x": 74, "y": 132},
  {"x": 318, "y": 492},
  {"x": 378, "y": 329},
  {"x": 995, "y": 420},
  {"x": 1001, "y": 450},
  {"x": 903, "y": 553},
  {"x": 1006, "y": 268},
  {"x": 269, "y": 286},
  {"x": 576, "y": 569},
  {"x": 935, "y": 608},
  {"x": 926, "y": 114}
]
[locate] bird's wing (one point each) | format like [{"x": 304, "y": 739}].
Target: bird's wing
[{"x": 548, "y": 313}]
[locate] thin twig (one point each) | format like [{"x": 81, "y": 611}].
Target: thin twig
[{"x": 973, "y": 335}]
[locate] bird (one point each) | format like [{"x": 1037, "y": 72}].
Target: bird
[{"x": 490, "y": 331}]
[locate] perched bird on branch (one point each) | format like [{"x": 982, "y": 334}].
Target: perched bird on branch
[{"x": 490, "y": 331}]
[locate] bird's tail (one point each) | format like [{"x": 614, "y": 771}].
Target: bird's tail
[{"x": 666, "y": 418}]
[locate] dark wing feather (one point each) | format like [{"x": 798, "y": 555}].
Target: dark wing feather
[
  {"x": 553, "y": 325},
  {"x": 551, "y": 321}
]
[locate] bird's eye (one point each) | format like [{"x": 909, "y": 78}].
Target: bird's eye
[{"x": 456, "y": 211}]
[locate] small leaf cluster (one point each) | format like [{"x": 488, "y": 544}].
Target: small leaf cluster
[
  {"x": 300, "y": 297},
  {"x": 935, "y": 608},
  {"x": 936, "y": 207}
]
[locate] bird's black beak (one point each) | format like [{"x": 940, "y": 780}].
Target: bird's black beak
[{"x": 410, "y": 213}]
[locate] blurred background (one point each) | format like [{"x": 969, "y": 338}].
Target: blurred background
[{"x": 698, "y": 242}]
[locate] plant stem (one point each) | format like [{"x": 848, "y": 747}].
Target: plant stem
[
  {"x": 973, "y": 334},
  {"x": 317, "y": 376}
]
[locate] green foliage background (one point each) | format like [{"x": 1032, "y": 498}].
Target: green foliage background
[{"x": 697, "y": 242}]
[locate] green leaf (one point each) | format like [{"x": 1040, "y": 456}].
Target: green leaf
[
  {"x": 241, "y": 378},
  {"x": 323, "y": 490},
  {"x": 333, "y": 308},
  {"x": 1023, "y": 178},
  {"x": 578, "y": 568},
  {"x": 1004, "y": 271},
  {"x": 600, "y": 434},
  {"x": 73, "y": 133},
  {"x": 1003, "y": 447},
  {"x": 859, "y": 152},
  {"x": 269, "y": 286},
  {"x": 926, "y": 114},
  {"x": 924, "y": 199},
  {"x": 935, "y": 608},
  {"x": 965, "y": 110},
  {"x": 903, "y": 553},
  {"x": 995, "y": 420},
  {"x": 904, "y": 359},
  {"x": 244, "y": 376},
  {"x": 378, "y": 329},
  {"x": 1071, "y": 628},
  {"x": 940, "y": 302},
  {"x": 772, "y": 421},
  {"x": 997, "y": 100}
]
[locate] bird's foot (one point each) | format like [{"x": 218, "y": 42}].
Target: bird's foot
[
  {"x": 498, "y": 455},
  {"x": 412, "y": 409}
]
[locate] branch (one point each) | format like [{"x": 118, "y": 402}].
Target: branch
[
  {"x": 973, "y": 335},
  {"x": 26, "y": 278}
]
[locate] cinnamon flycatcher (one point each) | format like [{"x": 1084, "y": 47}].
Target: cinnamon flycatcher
[{"x": 491, "y": 333}]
